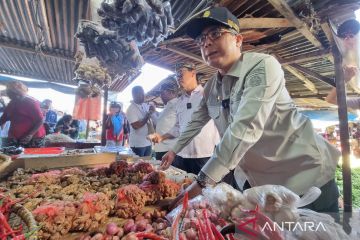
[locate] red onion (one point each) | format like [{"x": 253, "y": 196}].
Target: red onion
[{"x": 112, "y": 229}]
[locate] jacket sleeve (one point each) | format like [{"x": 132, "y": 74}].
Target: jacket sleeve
[{"x": 263, "y": 84}]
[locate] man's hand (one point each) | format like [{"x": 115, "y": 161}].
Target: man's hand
[
  {"x": 152, "y": 109},
  {"x": 193, "y": 190},
  {"x": 349, "y": 72},
  {"x": 167, "y": 160},
  {"x": 155, "y": 138},
  {"x": 26, "y": 139}
]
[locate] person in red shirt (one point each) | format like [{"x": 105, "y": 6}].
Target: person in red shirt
[
  {"x": 115, "y": 125},
  {"x": 25, "y": 116}
]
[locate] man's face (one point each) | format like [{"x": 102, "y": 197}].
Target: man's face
[
  {"x": 185, "y": 77},
  {"x": 220, "y": 48},
  {"x": 114, "y": 110},
  {"x": 139, "y": 96},
  {"x": 166, "y": 96},
  {"x": 48, "y": 104}
]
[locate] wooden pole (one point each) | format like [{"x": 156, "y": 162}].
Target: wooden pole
[
  {"x": 103, "y": 129},
  {"x": 87, "y": 129},
  {"x": 344, "y": 138}
]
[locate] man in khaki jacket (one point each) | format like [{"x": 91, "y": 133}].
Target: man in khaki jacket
[{"x": 264, "y": 138}]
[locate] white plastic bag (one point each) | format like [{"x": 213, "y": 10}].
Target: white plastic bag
[
  {"x": 317, "y": 226},
  {"x": 225, "y": 198}
]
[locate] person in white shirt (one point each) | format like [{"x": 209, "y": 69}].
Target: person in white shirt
[
  {"x": 198, "y": 151},
  {"x": 139, "y": 115},
  {"x": 167, "y": 118}
]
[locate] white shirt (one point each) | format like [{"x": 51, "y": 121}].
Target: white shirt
[
  {"x": 203, "y": 144},
  {"x": 137, "y": 137},
  {"x": 165, "y": 122}
]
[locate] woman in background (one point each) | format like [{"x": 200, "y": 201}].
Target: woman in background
[
  {"x": 66, "y": 125},
  {"x": 25, "y": 116}
]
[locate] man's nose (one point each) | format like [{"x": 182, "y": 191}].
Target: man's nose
[{"x": 207, "y": 41}]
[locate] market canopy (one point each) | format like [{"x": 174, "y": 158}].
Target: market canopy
[{"x": 37, "y": 84}]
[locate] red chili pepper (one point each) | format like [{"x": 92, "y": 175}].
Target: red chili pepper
[
  {"x": 147, "y": 235},
  {"x": 261, "y": 220},
  {"x": 207, "y": 221},
  {"x": 175, "y": 231},
  {"x": 19, "y": 237},
  {"x": 182, "y": 236},
  {"x": 199, "y": 230},
  {"x": 6, "y": 225},
  {"x": 216, "y": 232},
  {"x": 203, "y": 229}
]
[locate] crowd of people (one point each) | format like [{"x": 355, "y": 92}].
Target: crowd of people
[{"x": 25, "y": 121}]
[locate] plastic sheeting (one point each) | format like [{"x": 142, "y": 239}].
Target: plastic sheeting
[{"x": 87, "y": 108}]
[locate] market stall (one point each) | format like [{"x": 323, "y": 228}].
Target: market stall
[
  {"x": 122, "y": 200},
  {"x": 77, "y": 201}
]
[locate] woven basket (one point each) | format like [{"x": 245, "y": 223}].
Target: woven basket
[{"x": 21, "y": 216}]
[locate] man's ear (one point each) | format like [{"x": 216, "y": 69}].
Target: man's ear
[{"x": 239, "y": 40}]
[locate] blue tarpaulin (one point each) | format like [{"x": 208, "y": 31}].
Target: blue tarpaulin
[
  {"x": 37, "y": 84},
  {"x": 327, "y": 115}
]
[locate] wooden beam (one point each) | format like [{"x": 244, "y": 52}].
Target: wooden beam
[
  {"x": 306, "y": 57},
  {"x": 32, "y": 50},
  {"x": 320, "y": 95},
  {"x": 184, "y": 53},
  {"x": 284, "y": 9},
  {"x": 314, "y": 74},
  {"x": 253, "y": 23},
  {"x": 325, "y": 27},
  {"x": 307, "y": 83}
]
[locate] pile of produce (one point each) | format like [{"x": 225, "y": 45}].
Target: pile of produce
[
  {"x": 142, "y": 20},
  {"x": 257, "y": 213},
  {"x": 82, "y": 200},
  {"x": 57, "y": 137},
  {"x": 116, "y": 54},
  {"x": 149, "y": 225}
]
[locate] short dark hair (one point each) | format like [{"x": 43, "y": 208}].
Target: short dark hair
[
  {"x": 137, "y": 89},
  {"x": 67, "y": 118},
  {"x": 115, "y": 105}
]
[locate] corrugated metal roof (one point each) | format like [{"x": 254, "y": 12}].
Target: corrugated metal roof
[
  {"x": 20, "y": 36},
  {"x": 25, "y": 24}
]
